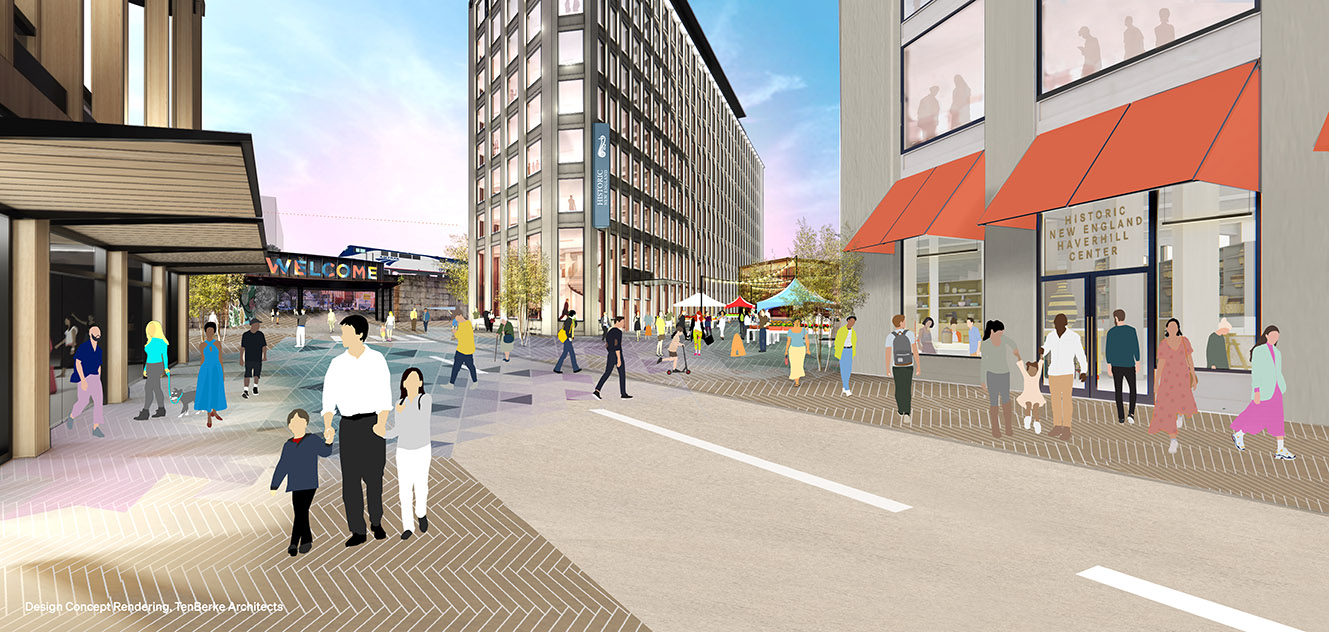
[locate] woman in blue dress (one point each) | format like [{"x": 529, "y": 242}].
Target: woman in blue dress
[{"x": 210, "y": 392}]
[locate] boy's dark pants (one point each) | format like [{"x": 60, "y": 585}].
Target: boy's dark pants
[{"x": 300, "y": 501}]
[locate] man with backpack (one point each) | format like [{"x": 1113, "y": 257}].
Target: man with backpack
[
  {"x": 565, "y": 337},
  {"x": 902, "y": 357}
]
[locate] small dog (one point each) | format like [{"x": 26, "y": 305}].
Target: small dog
[{"x": 184, "y": 399}]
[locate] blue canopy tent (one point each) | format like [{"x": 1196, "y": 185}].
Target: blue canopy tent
[{"x": 792, "y": 294}]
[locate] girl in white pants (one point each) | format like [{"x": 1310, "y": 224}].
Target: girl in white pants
[{"x": 414, "y": 450}]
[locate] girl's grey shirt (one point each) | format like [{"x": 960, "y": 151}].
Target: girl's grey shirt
[{"x": 412, "y": 423}]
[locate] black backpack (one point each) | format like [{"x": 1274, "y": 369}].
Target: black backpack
[{"x": 902, "y": 353}]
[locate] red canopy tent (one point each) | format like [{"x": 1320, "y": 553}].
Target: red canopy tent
[{"x": 740, "y": 303}]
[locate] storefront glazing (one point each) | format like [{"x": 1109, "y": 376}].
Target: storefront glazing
[{"x": 943, "y": 286}]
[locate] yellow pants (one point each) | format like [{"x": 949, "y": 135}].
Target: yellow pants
[{"x": 1063, "y": 407}]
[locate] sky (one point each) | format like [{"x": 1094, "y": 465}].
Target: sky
[{"x": 359, "y": 116}]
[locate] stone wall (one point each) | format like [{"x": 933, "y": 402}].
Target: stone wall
[{"x": 421, "y": 292}]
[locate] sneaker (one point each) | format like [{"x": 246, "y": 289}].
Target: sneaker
[
  {"x": 1240, "y": 441},
  {"x": 1121, "y": 421},
  {"x": 576, "y": 370},
  {"x": 245, "y": 394},
  {"x": 424, "y": 523},
  {"x": 1027, "y": 420},
  {"x": 848, "y": 393},
  {"x": 1181, "y": 421},
  {"x": 1284, "y": 455},
  {"x": 596, "y": 395},
  {"x": 97, "y": 432},
  {"x": 906, "y": 418},
  {"x": 405, "y": 535},
  {"x": 1038, "y": 427},
  {"x": 256, "y": 389},
  {"x": 625, "y": 397},
  {"x": 379, "y": 533},
  {"x": 1130, "y": 420},
  {"x": 1172, "y": 447},
  {"x": 357, "y": 539},
  {"x": 69, "y": 423},
  {"x": 558, "y": 371}
]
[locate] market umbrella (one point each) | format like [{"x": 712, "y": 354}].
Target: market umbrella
[
  {"x": 740, "y": 303},
  {"x": 699, "y": 300},
  {"x": 793, "y": 293}
]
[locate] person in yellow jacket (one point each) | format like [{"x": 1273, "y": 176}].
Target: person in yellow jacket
[
  {"x": 846, "y": 347},
  {"x": 465, "y": 354}
]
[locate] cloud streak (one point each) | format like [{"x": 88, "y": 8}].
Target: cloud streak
[{"x": 775, "y": 84}]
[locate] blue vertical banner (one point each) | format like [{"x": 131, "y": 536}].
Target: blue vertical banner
[{"x": 600, "y": 175}]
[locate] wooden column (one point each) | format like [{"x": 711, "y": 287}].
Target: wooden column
[
  {"x": 159, "y": 295},
  {"x": 181, "y": 343},
  {"x": 110, "y": 60},
  {"x": 156, "y": 63},
  {"x": 7, "y": 29},
  {"x": 30, "y": 328},
  {"x": 60, "y": 38},
  {"x": 115, "y": 335},
  {"x": 182, "y": 64}
]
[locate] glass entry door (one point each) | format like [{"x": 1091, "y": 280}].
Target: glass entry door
[{"x": 1088, "y": 301}]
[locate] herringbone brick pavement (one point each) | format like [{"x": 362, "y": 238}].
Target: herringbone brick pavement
[
  {"x": 1206, "y": 460},
  {"x": 480, "y": 567}
]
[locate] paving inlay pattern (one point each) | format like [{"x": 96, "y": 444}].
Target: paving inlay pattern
[
  {"x": 167, "y": 511},
  {"x": 1207, "y": 458}
]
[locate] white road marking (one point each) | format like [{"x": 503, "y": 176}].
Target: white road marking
[
  {"x": 449, "y": 363},
  {"x": 776, "y": 468},
  {"x": 1218, "y": 613}
]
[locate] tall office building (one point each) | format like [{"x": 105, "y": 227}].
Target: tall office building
[{"x": 606, "y": 134}]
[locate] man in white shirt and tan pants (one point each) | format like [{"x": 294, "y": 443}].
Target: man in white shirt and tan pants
[
  {"x": 359, "y": 388},
  {"x": 1065, "y": 349}
]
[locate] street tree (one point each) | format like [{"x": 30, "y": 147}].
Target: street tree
[{"x": 456, "y": 270}]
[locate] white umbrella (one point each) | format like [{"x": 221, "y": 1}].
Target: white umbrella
[{"x": 699, "y": 300}]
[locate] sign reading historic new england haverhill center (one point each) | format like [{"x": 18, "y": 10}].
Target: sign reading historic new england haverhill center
[
  {"x": 315, "y": 267},
  {"x": 600, "y": 175}
]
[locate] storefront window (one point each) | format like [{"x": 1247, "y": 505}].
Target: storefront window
[
  {"x": 1206, "y": 270},
  {"x": 943, "y": 77},
  {"x": 533, "y": 158},
  {"x": 1082, "y": 37},
  {"x": 533, "y": 113},
  {"x": 533, "y": 204},
  {"x": 570, "y": 195},
  {"x": 570, "y": 146},
  {"x": 1109, "y": 234},
  {"x": 943, "y": 287},
  {"x": 570, "y": 99},
  {"x": 569, "y": 48},
  {"x": 570, "y": 280}
]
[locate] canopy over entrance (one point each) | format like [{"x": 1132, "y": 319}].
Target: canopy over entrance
[
  {"x": 793, "y": 294},
  {"x": 178, "y": 198}
]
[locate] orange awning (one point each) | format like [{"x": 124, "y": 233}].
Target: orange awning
[
  {"x": 1322, "y": 143},
  {"x": 1206, "y": 130},
  {"x": 944, "y": 201}
]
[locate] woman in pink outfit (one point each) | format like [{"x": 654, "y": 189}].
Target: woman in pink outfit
[
  {"x": 1265, "y": 412},
  {"x": 1174, "y": 384}
]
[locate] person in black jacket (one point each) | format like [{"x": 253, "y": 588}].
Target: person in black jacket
[
  {"x": 614, "y": 344},
  {"x": 298, "y": 465}
]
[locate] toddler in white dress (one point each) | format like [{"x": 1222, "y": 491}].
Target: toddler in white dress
[{"x": 1032, "y": 398}]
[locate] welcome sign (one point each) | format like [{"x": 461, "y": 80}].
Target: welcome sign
[{"x": 322, "y": 268}]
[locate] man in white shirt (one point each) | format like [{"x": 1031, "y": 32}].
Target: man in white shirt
[
  {"x": 1065, "y": 349},
  {"x": 358, "y": 387},
  {"x": 902, "y": 357}
]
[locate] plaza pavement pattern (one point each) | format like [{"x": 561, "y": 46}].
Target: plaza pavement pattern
[
  {"x": 167, "y": 511},
  {"x": 1206, "y": 460}
]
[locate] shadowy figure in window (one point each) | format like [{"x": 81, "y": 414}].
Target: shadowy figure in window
[
  {"x": 960, "y": 98},
  {"x": 1132, "y": 39},
  {"x": 1093, "y": 56},
  {"x": 929, "y": 108},
  {"x": 1164, "y": 33}
]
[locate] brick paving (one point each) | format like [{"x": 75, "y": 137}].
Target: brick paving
[{"x": 1206, "y": 460}]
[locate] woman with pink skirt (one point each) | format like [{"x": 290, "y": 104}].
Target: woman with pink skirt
[{"x": 1265, "y": 412}]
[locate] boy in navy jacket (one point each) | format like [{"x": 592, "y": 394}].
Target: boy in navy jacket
[{"x": 299, "y": 466}]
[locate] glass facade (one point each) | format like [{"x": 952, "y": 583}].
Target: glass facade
[
  {"x": 571, "y": 145},
  {"x": 570, "y": 99},
  {"x": 1206, "y": 270},
  {"x": 571, "y": 250},
  {"x": 943, "y": 287},
  {"x": 1081, "y": 37},
  {"x": 570, "y": 48},
  {"x": 570, "y": 195},
  {"x": 943, "y": 76},
  {"x": 533, "y": 204}
]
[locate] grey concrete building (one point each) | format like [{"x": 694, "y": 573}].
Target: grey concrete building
[
  {"x": 1129, "y": 156},
  {"x": 630, "y": 86}
]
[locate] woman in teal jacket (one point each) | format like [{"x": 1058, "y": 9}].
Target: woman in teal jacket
[{"x": 1265, "y": 412}]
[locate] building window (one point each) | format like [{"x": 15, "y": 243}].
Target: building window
[
  {"x": 570, "y": 147},
  {"x": 1081, "y": 37},
  {"x": 533, "y": 113},
  {"x": 570, "y": 195},
  {"x": 512, "y": 9},
  {"x": 512, "y": 212},
  {"x": 495, "y": 105},
  {"x": 533, "y": 67},
  {"x": 943, "y": 77},
  {"x": 533, "y": 204},
  {"x": 570, "y": 99},
  {"x": 571, "y": 247},
  {"x": 512, "y": 48},
  {"x": 533, "y": 20},
  {"x": 495, "y": 221},
  {"x": 512, "y": 88},
  {"x": 514, "y": 173},
  {"x": 569, "y": 7},
  {"x": 943, "y": 287},
  {"x": 513, "y": 129},
  {"x": 496, "y": 65},
  {"x": 533, "y": 158},
  {"x": 1206, "y": 270},
  {"x": 570, "y": 48},
  {"x": 480, "y": 191}
]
